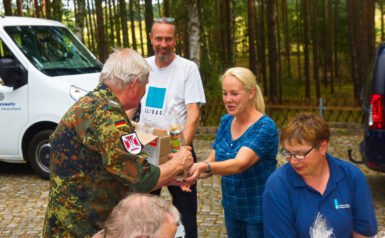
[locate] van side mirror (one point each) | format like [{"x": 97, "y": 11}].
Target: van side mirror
[
  {"x": 5, "y": 89},
  {"x": 12, "y": 73}
]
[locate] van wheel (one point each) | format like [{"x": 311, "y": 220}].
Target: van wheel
[{"x": 38, "y": 153}]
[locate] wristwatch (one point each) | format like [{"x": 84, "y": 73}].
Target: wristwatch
[{"x": 208, "y": 167}]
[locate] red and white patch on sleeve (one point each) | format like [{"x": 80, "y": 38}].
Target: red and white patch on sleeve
[{"x": 131, "y": 143}]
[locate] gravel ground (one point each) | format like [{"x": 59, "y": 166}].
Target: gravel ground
[{"x": 23, "y": 196}]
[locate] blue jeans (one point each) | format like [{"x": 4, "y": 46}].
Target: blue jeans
[{"x": 240, "y": 229}]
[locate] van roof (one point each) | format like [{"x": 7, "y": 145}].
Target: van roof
[{"x": 27, "y": 21}]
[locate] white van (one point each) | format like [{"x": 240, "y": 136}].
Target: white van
[{"x": 44, "y": 69}]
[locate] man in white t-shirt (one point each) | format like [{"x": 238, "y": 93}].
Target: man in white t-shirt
[{"x": 175, "y": 88}]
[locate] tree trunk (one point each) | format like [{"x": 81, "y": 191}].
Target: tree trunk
[
  {"x": 123, "y": 17},
  {"x": 101, "y": 30},
  {"x": 140, "y": 29},
  {"x": 330, "y": 43},
  {"x": 262, "y": 47},
  {"x": 279, "y": 71},
  {"x": 306, "y": 48},
  {"x": 57, "y": 10},
  {"x": 361, "y": 38},
  {"x": 132, "y": 19},
  {"x": 194, "y": 29},
  {"x": 159, "y": 9},
  {"x": 7, "y": 7},
  {"x": 117, "y": 24},
  {"x": 299, "y": 39},
  {"x": 109, "y": 18},
  {"x": 316, "y": 46},
  {"x": 225, "y": 34},
  {"x": 336, "y": 36},
  {"x": 251, "y": 27},
  {"x": 48, "y": 9},
  {"x": 272, "y": 48},
  {"x": 90, "y": 27},
  {"x": 166, "y": 8},
  {"x": 80, "y": 15},
  {"x": 287, "y": 38},
  {"x": 19, "y": 5},
  {"x": 36, "y": 8},
  {"x": 149, "y": 17}
]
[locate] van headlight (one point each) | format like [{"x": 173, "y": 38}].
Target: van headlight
[{"x": 76, "y": 93}]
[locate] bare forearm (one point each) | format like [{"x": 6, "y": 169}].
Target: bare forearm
[
  {"x": 189, "y": 132},
  {"x": 192, "y": 122}
]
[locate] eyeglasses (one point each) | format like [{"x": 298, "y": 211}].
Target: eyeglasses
[
  {"x": 288, "y": 155},
  {"x": 164, "y": 20}
]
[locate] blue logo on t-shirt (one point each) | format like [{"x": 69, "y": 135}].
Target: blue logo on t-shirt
[
  {"x": 155, "y": 97},
  {"x": 155, "y": 100}
]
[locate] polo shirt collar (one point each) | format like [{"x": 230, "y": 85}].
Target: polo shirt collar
[{"x": 336, "y": 174}]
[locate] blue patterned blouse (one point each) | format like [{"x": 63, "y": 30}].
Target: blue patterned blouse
[{"x": 242, "y": 193}]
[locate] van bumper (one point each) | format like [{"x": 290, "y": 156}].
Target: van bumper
[{"x": 372, "y": 149}]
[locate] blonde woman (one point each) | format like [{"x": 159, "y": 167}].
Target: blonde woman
[{"x": 243, "y": 153}]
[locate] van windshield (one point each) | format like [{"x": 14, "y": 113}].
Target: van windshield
[{"x": 53, "y": 50}]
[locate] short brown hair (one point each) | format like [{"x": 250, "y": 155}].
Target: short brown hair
[{"x": 305, "y": 128}]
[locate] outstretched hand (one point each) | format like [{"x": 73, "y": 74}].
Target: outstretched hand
[
  {"x": 195, "y": 172},
  {"x": 184, "y": 186}
]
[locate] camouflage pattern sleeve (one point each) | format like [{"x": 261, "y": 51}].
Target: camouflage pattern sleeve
[{"x": 121, "y": 150}]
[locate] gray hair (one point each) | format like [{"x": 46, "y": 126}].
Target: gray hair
[
  {"x": 122, "y": 67},
  {"x": 140, "y": 215}
]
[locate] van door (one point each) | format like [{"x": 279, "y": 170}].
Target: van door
[{"x": 13, "y": 103}]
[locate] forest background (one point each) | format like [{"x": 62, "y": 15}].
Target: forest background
[{"x": 305, "y": 54}]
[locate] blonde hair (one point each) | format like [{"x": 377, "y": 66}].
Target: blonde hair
[
  {"x": 249, "y": 81},
  {"x": 122, "y": 67},
  {"x": 304, "y": 129}
]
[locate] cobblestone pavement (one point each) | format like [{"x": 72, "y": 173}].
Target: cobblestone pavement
[{"x": 23, "y": 196}]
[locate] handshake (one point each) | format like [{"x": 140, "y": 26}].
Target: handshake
[{"x": 189, "y": 172}]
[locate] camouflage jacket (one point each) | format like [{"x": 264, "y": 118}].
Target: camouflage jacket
[{"x": 91, "y": 166}]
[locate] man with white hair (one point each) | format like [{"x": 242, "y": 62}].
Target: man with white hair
[{"x": 97, "y": 158}]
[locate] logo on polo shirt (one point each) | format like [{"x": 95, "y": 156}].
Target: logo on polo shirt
[{"x": 340, "y": 206}]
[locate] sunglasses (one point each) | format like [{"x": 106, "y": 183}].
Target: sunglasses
[{"x": 164, "y": 20}]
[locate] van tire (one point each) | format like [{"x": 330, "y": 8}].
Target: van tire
[{"x": 38, "y": 153}]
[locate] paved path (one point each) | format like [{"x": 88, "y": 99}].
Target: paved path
[{"x": 23, "y": 196}]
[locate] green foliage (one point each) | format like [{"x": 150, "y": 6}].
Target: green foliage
[{"x": 210, "y": 73}]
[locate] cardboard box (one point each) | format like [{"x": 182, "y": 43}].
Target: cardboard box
[{"x": 157, "y": 145}]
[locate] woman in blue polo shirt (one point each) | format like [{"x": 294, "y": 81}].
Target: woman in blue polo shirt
[
  {"x": 315, "y": 192},
  {"x": 244, "y": 153}
]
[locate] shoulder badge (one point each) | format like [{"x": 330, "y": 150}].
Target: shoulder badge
[{"x": 131, "y": 143}]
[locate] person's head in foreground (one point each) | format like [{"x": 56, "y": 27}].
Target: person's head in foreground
[
  {"x": 141, "y": 216},
  {"x": 304, "y": 143},
  {"x": 315, "y": 194}
]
